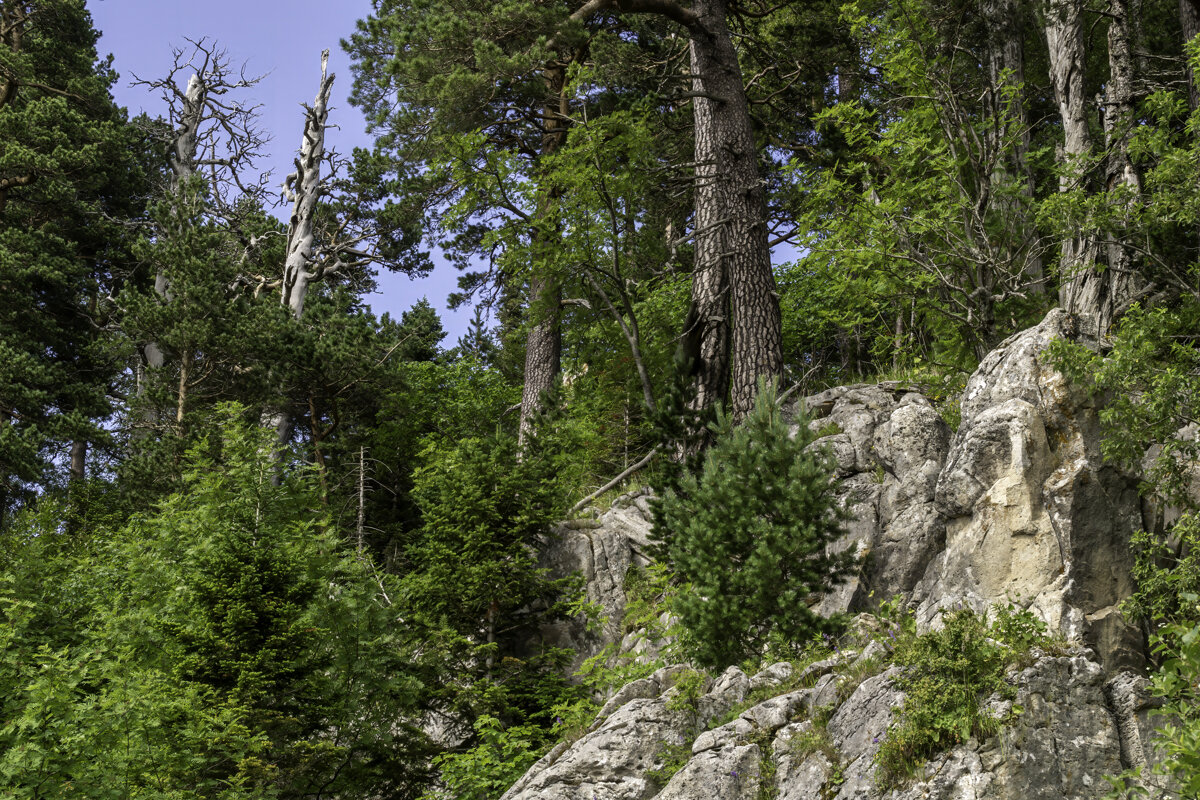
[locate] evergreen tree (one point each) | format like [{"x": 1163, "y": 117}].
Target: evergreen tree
[
  {"x": 68, "y": 173},
  {"x": 225, "y": 645},
  {"x": 473, "y": 581},
  {"x": 751, "y": 536}
]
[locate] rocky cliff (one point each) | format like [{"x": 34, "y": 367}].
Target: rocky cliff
[{"x": 1016, "y": 506}]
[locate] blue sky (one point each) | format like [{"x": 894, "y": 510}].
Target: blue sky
[{"x": 282, "y": 40}]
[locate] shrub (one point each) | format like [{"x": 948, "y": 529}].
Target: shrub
[
  {"x": 946, "y": 677},
  {"x": 749, "y": 535},
  {"x": 1178, "y": 683},
  {"x": 225, "y": 645},
  {"x": 486, "y": 770}
]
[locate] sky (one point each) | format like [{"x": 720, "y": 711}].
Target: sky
[{"x": 281, "y": 40}]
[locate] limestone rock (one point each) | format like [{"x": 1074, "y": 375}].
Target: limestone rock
[
  {"x": 1016, "y": 506},
  {"x": 612, "y": 762},
  {"x": 728, "y": 773},
  {"x": 1033, "y": 516},
  {"x": 1061, "y": 745},
  {"x": 602, "y": 551}
]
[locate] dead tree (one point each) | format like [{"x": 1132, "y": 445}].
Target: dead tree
[
  {"x": 323, "y": 240},
  {"x": 210, "y": 134}
]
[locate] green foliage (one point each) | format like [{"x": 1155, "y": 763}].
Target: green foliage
[
  {"x": 685, "y": 694},
  {"x": 648, "y": 592},
  {"x": 674, "y": 756},
  {"x": 488, "y": 769},
  {"x": 1150, "y": 384},
  {"x": 748, "y": 537},
  {"x": 225, "y": 645},
  {"x": 946, "y": 676},
  {"x": 1166, "y": 572},
  {"x": 814, "y": 739},
  {"x": 71, "y": 170},
  {"x": 922, "y": 234},
  {"x": 1178, "y": 683},
  {"x": 474, "y": 591}
]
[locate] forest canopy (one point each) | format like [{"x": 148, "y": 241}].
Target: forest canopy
[{"x": 262, "y": 542}]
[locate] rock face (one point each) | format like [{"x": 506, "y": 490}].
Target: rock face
[
  {"x": 819, "y": 742},
  {"x": 602, "y": 551},
  {"x": 1033, "y": 515},
  {"x": 1015, "y": 506}
]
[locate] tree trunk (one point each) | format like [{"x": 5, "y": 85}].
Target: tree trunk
[
  {"x": 543, "y": 349},
  {"x": 1081, "y": 290},
  {"x": 1006, "y": 68},
  {"x": 732, "y": 251},
  {"x": 1121, "y": 178},
  {"x": 304, "y": 189},
  {"x": 185, "y": 376},
  {"x": 1189, "y": 19},
  {"x": 79, "y": 449}
]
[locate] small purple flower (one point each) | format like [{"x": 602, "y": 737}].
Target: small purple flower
[{"x": 733, "y": 772}]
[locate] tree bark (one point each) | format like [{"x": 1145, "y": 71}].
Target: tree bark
[
  {"x": 1122, "y": 180},
  {"x": 708, "y": 322},
  {"x": 733, "y": 256},
  {"x": 79, "y": 449},
  {"x": 543, "y": 348},
  {"x": 1081, "y": 289},
  {"x": 304, "y": 189},
  {"x": 1006, "y": 67},
  {"x": 1189, "y": 20}
]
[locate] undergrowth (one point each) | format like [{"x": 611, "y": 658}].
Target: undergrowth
[{"x": 947, "y": 676}]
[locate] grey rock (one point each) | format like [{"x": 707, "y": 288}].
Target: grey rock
[
  {"x": 1061, "y": 746},
  {"x": 612, "y": 762},
  {"x": 1033, "y": 516},
  {"x": 602, "y": 551},
  {"x": 729, "y": 773},
  {"x": 861, "y": 722},
  {"x": 1016, "y": 506},
  {"x": 771, "y": 676},
  {"x": 728, "y": 691}
]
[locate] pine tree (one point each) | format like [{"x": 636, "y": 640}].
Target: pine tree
[
  {"x": 751, "y": 535},
  {"x": 68, "y": 168}
]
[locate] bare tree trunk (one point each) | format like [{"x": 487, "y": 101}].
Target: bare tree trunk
[
  {"x": 185, "y": 375},
  {"x": 1121, "y": 179},
  {"x": 303, "y": 189},
  {"x": 183, "y": 165},
  {"x": 732, "y": 250},
  {"x": 362, "y": 497},
  {"x": 1080, "y": 291},
  {"x": 193, "y": 102},
  {"x": 79, "y": 449},
  {"x": 898, "y": 342}
]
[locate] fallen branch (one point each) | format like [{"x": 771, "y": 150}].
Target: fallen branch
[{"x": 645, "y": 460}]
